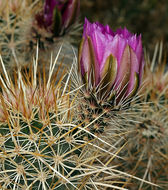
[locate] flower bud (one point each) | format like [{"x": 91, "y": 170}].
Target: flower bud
[
  {"x": 58, "y": 15},
  {"x": 112, "y": 61}
]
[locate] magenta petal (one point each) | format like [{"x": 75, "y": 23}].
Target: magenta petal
[
  {"x": 140, "y": 57},
  {"x": 138, "y": 50},
  {"x": 108, "y": 30},
  {"x": 136, "y": 44},
  {"x": 115, "y": 47},
  {"x": 133, "y": 42},
  {"x": 98, "y": 40},
  {"x": 123, "y": 33},
  {"x": 88, "y": 61},
  {"x": 89, "y": 28},
  {"x": 86, "y": 28},
  {"x": 85, "y": 58},
  {"x": 48, "y": 11},
  {"x": 123, "y": 71}
]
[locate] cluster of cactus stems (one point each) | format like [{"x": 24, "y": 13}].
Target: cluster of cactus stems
[{"x": 99, "y": 124}]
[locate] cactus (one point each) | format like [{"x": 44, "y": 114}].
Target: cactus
[{"x": 90, "y": 127}]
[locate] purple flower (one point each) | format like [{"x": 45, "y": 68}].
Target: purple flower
[
  {"x": 58, "y": 15},
  {"x": 111, "y": 60}
]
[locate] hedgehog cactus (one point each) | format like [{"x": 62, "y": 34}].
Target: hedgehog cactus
[{"x": 88, "y": 128}]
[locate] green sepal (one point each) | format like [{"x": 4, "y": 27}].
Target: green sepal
[
  {"x": 57, "y": 22},
  {"x": 85, "y": 79},
  {"x": 93, "y": 62},
  {"x": 109, "y": 72},
  {"x": 124, "y": 72},
  {"x": 92, "y": 71},
  {"x": 136, "y": 85},
  {"x": 111, "y": 96},
  {"x": 125, "y": 69}
]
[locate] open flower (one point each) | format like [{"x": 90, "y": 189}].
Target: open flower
[
  {"x": 58, "y": 15},
  {"x": 110, "y": 60}
]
